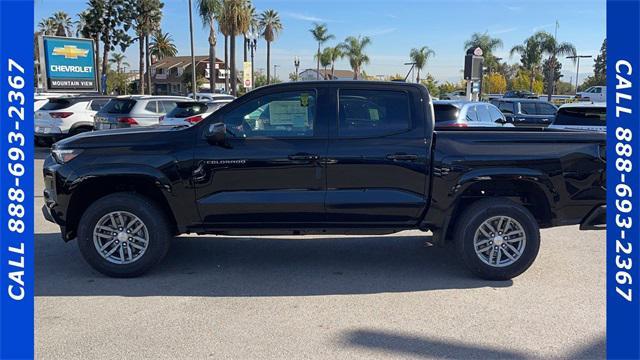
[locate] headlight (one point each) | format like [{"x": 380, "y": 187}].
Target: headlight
[{"x": 63, "y": 156}]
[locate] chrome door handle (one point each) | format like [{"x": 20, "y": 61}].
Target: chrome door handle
[
  {"x": 402, "y": 157},
  {"x": 303, "y": 157}
]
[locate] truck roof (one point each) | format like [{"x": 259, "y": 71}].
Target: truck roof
[{"x": 346, "y": 82}]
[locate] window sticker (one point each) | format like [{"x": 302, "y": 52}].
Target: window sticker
[
  {"x": 288, "y": 113},
  {"x": 304, "y": 100},
  {"x": 373, "y": 114}
]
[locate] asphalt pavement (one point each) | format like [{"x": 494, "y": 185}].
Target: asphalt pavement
[{"x": 319, "y": 297}]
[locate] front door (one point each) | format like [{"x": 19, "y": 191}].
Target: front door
[
  {"x": 377, "y": 169},
  {"x": 270, "y": 171}
]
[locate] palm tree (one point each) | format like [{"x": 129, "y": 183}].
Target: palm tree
[
  {"x": 162, "y": 45},
  {"x": 80, "y": 23},
  {"x": 62, "y": 20},
  {"x": 325, "y": 61},
  {"x": 271, "y": 25},
  {"x": 224, "y": 30},
  {"x": 118, "y": 59},
  {"x": 334, "y": 53},
  {"x": 320, "y": 35},
  {"x": 530, "y": 55},
  {"x": 488, "y": 45},
  {"x": 47, "y": 26},
  {"x": 353, "y": 49},
  {"x": 146, "y": 20},
  {"x": 236, "y": 22},
  {"x": 209, "y": 10},
  {"x": 419, "y": 57},
  {"x": 553, "y": 48}
]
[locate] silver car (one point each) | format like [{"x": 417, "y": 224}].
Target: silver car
[
  {"x": 453, "y": 113},
  {"x": 135, "y": 110}
]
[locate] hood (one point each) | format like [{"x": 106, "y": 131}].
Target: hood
[{"x": 121, "y": 137}]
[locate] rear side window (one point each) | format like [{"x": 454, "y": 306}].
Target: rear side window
[
  {"x": 166, "y": 106},
  {"x": 506, "y": 107},
  {"x": 187, "y": 109},
  {"x": 119, "y": 106},
  {"x": 98, "y": 104},
  {"x": 545, "y": 109},
  {"x": 483, "y": 113},
  {"x": 582, "y": 116},
  {"x": 152, "y": 106},
  {"x": 373, "y": 112},
  {"x": 472, "y": 114},
  {"x": 56, "y": 104},
  {"x": 445, "y": 112},
  {"x": 528, "y": 108}
]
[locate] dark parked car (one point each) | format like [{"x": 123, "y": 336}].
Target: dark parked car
[
  {"x": 323, "y": 157},
  {"x": 527, "y": 112},
  {"x": 451, "y": 113},
  {"x": 520, "y": 94}
]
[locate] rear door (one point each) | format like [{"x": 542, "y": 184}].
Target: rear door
[
  {"x": 377, "y": 166},
  {"x": 530, "y": 115}
]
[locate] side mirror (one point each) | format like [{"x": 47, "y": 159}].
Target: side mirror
[
  {"x": 217, "y": 134},
  {"x": 501, "y": 121}
]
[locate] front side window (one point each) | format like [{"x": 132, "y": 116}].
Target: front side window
[
  {"x": 472, "y": 114},
  {"x": 528, "y": 108},
  {"x": 546, "y": 109},
  {"x": 506, "y": 107},
  {"x": 372, "y": 112},
  {"x": 483, "y": 113},
  {"x": 496, "y": 115},
  {"x": 290, "y": 114}
]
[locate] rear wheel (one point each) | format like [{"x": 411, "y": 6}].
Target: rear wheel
[
  {"x": 497, "y": 238},
  {"x": 123, "y": 235}
]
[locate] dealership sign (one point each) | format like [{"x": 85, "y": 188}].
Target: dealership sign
[{"x": 68, "y": 64}]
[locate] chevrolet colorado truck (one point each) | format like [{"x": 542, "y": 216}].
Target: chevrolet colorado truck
[{"x": 332, "y": 157}]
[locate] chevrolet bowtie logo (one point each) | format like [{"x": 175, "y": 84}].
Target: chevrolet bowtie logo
[{"x": 70, "y": 52}]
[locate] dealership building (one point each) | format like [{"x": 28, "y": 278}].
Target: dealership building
[{"x": 167, "y": 74}]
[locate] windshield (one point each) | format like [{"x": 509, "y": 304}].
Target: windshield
[
  {"x": 594, "y": 116},
  {"x": 56, "y": 104},
  {"x": 119, "y": 106},
  {"x": 445, "y": 112},
  {"x": 185, "y": 110}
]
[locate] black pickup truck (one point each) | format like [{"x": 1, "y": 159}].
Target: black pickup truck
[{"x": 333, "y": 157}]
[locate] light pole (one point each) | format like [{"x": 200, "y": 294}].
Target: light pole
[
  {"x": 193, "y": 58},
  {"x": 577, "y": 57},
  {"x": 410, "y": 70},
  {"x": 296, "y": 63},
  {"x": 253, "y": 44},
  {"x": 275, "y": 69}
]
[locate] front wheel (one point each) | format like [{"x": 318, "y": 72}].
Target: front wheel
[
  {"x": 497, "y": 238},
  {"x": 123, "y": 235}
]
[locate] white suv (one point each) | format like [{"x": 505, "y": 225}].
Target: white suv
[{"x": 66, "y": 116}]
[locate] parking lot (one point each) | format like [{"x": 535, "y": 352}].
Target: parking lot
[{"x": 324, "y": 297}]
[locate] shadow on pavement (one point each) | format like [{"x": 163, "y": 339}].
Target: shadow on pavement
[
  {"x": 395, "y": 344},
  {"x": 235, "y": 266}
]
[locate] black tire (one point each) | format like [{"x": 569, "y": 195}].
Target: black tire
[
  {"x": 470, "y": 221},
  {"x": 147, "y": 211}
]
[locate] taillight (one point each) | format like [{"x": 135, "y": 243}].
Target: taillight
[
  {"x": 193, "y": 119},
  {"x": 59, "y": 115},
  {"x": 127, "y": 120},
  {"x": 162, "y": 118}
]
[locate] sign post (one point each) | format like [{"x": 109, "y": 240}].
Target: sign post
[
  {"x": 473, "y": 62},
  {"x": 247, "y": 75},
  {"x": 68, "y": 64}
]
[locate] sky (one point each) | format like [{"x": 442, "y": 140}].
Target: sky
[{"x": 395, "y": 27}]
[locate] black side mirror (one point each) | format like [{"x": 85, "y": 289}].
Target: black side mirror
[
  {"x": 217, "y": 134},
  {"x": 501, "y": 121}
]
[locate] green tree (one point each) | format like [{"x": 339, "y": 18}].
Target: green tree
[
  {"x": 530, "y": 56},
  {"x": 61, "y": 20},
  {"x": 353, "y": 48},
  {"x": 320, "y": 35},
  {"x": 147, "y": 17},
  {"x": 92, "y": 28},
  {"x": 334, "y": 53},
  {"x": 325, "y": 60},
  {"x": 47, "y": 26},
  {"x": 599, "y": 77},
  {"x": 119, "y": 60},
  {"x": 564, "y": 88},
  {"x": 117, "y": 83},
  {"x": 208, "y": 11},
  {"x": 551, "y": 68},
  {"x": 553, "y": 49},
  {"x": 523, "y": 81},
  {"x": 432, "y": 85},
  {"x": 236, "y": 19},
  {"x": 420, "y": 57},
  {"x": 495, "y": 83},
  {"x": 162, "y": 45},
  {"x": 115, "y": 23},
  {"x": 488, "y": 45},
  {"x": 187, "y": 77},
  {"x": 271, "y": 27},
  {"x": 446, "y": 87}
]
